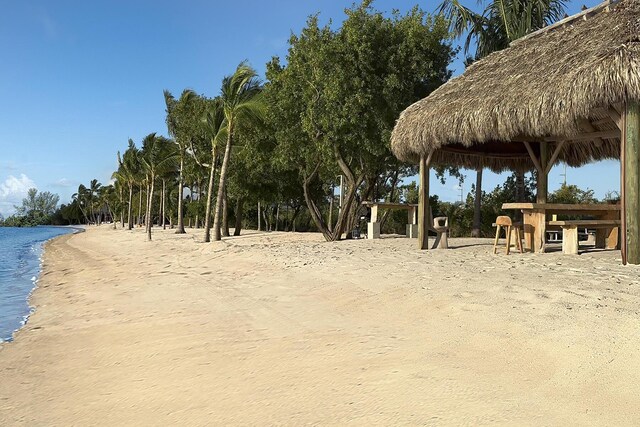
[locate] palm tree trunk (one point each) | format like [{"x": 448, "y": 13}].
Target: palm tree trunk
[
  {"x": 238, "y": 227},
  {"x": 149, "y": 206},
  {"x": 148, "y": 203},
  {"x": 140, "y": 208},
  {"x": 180, "y": 229},
  {"x": 225, "y": 215},
  {"x": 130, "y": 208},
  {"x": 222, "y": 184},
  {"x": 164, "y": 205},
  {"x": 477, "y": 205},
  {"x": 207, "y": 217},
  {"x": 121, "y": 208}
]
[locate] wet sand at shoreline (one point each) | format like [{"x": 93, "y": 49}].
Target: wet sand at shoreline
[{"x": 284, "y": 328}]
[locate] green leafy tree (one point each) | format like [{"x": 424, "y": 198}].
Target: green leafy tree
[
  {"x": 572, "y": 194},
  {"x": 36, "y": 208},
  {"x": 335, "y": 102}
]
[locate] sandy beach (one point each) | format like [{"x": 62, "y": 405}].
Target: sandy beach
[{"x": 283, "y": 328}]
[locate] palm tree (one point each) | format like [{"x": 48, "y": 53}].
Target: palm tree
[
  {"x": 80, "y": 198},
  {"x": 501, "y": 22},
  {"x": 157, "y": 156},
  {"x": 128, "y": 170},
  {"x": 119, "y": 181},
  {"x": 240, "y": 100},
  {"x": 178, "y": 119},
  {"x": 217, "y": 131},
  {"x": 107, "y": 198},
  {"x": 93, "y": 195}
]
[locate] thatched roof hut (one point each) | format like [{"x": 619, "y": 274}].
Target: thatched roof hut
[
  {"x": 569, "y": 92},
  {"x": 560, "y": 83}
]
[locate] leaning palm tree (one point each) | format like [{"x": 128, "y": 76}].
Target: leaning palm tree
[
  {"x": 501, "y": 22},
  {"x": 157, "y": 156},
  {"x": 241, "y": 99},
  {"x": 216, "y": 130}
]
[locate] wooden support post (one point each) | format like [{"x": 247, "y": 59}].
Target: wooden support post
[
  {"x": 423, "y": 203},
  {"x": 632, "y": 181},
  {"x": 542, "y": 187}
]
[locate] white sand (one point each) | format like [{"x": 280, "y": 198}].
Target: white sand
[{"x": 287, "y": 329}]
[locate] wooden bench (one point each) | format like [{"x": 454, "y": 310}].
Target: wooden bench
[{"x": 570, "y": 230}]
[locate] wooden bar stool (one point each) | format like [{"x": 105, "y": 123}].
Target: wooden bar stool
[{"x": 505, "y": 221}]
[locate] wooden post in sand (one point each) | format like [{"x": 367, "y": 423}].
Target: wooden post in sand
[
  {"x": 423, "y": 203},
  {"x": 632, "y": 181},
  {"x": 543, "y": 182}
]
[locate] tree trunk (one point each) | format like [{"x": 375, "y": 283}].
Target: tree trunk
[
  {"x": 148, "y": 220},
  {"x": 277, "y": 215},
  {"x": 164, "y": 205},
  {"x": 330, "y": 222},
  {"x": 180, "y": 229},
  {"x": 139, "y": 224},
  {"x": 296, "y": 211},
  {"x": 259, "y": 219},
  {"x": 477, "y": 206},
  {"x": 225, "y": 215},
  {"x": 238, "y": 227},
  {"x": 223, "y": 183},
  {"x": 130, "y": 209},
  {"x": 207, "y": 218},
  {"x": 392, "y": 193}
]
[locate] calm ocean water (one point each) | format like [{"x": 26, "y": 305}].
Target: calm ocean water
[{"x": 20, "y": 252}]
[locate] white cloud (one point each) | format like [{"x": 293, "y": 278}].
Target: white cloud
[
  {"x": 12, "y": 191},
  {"x": 63, "y": 182}
]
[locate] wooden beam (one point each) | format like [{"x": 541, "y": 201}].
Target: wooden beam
[
  {"x": 632, "y": 181},
  {"x": 554, "y": 156},
  {"x": 586, "y": 126},
  {"x": 423, "y": 203},
  {"x": 533, "y": 157},
  {"x": 615, "y": 116},
  {"x": 613, "y": 133}
]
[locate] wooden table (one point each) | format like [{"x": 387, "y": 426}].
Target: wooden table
[
  {"x": 535, "y": 221},
  {"x": 373, "y": 227}
]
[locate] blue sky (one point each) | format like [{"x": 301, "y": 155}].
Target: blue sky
[{"x": 79, "y": 78}]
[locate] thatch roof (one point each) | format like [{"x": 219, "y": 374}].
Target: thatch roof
[{"x": 560, "y": 83}]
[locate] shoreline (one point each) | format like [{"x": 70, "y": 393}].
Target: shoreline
[
  {"x": 288, "y": 329},
  {"x": 40, "y": 247}
]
